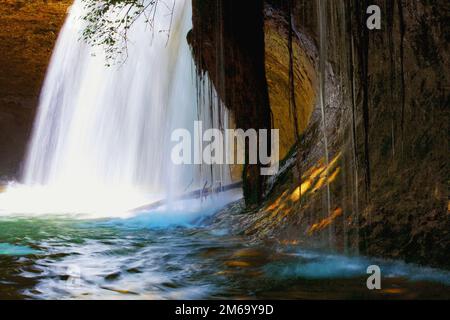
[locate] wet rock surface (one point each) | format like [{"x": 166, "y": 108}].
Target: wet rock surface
[{"x": 377, "y": 184}]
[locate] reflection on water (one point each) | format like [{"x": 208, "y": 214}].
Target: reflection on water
[{"x": 139, "y": 258}]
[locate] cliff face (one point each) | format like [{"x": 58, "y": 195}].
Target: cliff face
[
  {"x": 383, "y": 189},
  {"x": 243, "y": 49},
  {"x": 406, "y": 214},
  {"x": 374, "y": 121},
  {"x": 228, "y": 45},
  {"x": 277, "y": 67},
  {"x": 28, "y": 31}
]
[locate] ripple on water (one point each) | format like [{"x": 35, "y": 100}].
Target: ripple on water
[
  {"x": 7, "y": 249},
  {"x": 110, "y": 260},
  {"x": 313, "y": 265}
]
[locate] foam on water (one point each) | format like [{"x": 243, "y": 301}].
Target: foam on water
[
  {"x": 184, "y": 213},
  {"x": 316, "y": 265}
]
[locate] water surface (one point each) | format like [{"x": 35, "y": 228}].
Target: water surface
[{"x": 147, "y": 258}]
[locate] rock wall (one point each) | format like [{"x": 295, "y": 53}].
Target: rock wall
[
  {"x": 305, "y": 80},
  {"x": 376, "y": 182}
]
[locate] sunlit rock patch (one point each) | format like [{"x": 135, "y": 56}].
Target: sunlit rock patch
[
  {"x": 325, "y": 222},
  {"x": 277, "y": 73},
  {"x": 295, "y": 198}
]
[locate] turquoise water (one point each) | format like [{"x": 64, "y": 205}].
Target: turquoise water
[
  {"x": 7, "y": 249},
  {"x": 184, "y": 257}
]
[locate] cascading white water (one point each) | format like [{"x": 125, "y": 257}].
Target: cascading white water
[{"x": 101, "y": 140}]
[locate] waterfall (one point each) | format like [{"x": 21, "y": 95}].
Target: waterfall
[
  {"x": 101, "y": 140},
  {"x": 322, "y": 20}
]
